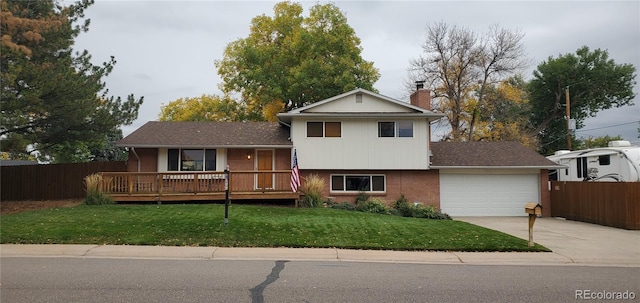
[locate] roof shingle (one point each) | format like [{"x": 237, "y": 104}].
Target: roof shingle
[
  {"x": 207, "y": 134},
  {"x": 486, "y": 154}
]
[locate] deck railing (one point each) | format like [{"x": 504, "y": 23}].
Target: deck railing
[{"x": 194, "y": 182}]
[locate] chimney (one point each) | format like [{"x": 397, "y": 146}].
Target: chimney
[{"x": 421, "y": 97}]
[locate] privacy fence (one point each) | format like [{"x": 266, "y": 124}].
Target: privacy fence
[
  {"x": 615, "y": 204},
  {"x": 50, "y": 181}
]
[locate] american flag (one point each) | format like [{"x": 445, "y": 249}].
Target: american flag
[{"x": 295, "y": 173}]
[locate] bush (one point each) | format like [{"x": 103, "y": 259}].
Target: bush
[
  {"x": 94, "y": 195},
  {"x": 429, "y": 212},
  {"x": 402, "y": 207},
  {"x": 312, "y": 190},
  {"x": 375, "y": 205},
  {"x": 361, "y": 198},
  {"x": 310, "y": 200},
  {"x": 344, "y": 206}
]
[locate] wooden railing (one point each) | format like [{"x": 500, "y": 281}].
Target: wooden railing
[{"x": 194, "y": 182}]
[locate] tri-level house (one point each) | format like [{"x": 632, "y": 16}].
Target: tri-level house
[
  {"x": 365, "y": 142},
  {"x": 359, "y": 141}
]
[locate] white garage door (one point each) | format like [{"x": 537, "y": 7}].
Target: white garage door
[{"x": 487, "y": 195}]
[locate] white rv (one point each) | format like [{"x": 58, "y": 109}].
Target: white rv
[{"x": 619, "y": 162}]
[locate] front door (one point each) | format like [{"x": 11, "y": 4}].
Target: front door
[{"x": 265, "y": 163}]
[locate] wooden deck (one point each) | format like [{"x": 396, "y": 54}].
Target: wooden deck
[{"x": 197, "y": 186}]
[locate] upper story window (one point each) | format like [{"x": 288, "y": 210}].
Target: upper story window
[
  {"x": 604, "y": 160},
  {"x": 324, "y": 129},
  {"x": 191, "y": 160},
  {"x": 401, "y": 129}
]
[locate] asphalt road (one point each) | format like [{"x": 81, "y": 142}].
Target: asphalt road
[{"x": 32, "y": 279}]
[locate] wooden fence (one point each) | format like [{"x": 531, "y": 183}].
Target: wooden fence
[
  {"x": 50, "y": 181},
  {"x": 615, "y": 204}
]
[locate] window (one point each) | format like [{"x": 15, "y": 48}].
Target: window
[
  {"x": 324, "y": 129},
  {"x": 604, "y": 160},
  {"x": 405, "y": 129},
  {"x": 386, "y": 129},
  {"x": 314, "y": 129},
  {"x": 401, "y": 129},
  {"x": 191, "y": 160},
  {"x": 358, "y": 183},
  {"x": 333, "y": 129}
]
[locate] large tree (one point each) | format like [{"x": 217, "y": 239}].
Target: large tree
[
  {"x": 459, "y": 64},
  {"x": 53, "y": 99},
  {"x": 289, "y": 61},
  {"x": 203, "y": 108},
  {"x": 594, "y": 82},
  {"x": 504, "y": 116}
]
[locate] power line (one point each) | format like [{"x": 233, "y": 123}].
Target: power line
[{"x": 597, "y": 128}]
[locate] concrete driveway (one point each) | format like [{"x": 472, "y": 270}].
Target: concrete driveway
[{"x": 581, "y": 243}]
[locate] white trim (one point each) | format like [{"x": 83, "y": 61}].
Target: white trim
[{"x": 344, "y": 183}]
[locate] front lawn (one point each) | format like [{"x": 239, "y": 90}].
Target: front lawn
[{"x": 249, "y": 226}]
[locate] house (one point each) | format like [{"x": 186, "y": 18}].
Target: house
[
  {"x": 618, "y": 162},
  {"x": 359, "y": 141}
]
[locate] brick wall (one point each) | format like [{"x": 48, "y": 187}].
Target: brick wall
[
  {"x": 545, "y": 194},
  {"x": 148, "y": 160},
  {"x": 417, "y": 185}
]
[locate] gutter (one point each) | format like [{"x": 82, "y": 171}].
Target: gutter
[
  {"x": 499, "y": 167},
  {"x": 137, "y": 157}
]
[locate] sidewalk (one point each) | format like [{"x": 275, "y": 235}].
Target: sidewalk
[{"x": 295, "y": 254}]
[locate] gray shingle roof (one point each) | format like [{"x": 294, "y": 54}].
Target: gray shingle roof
[
  {"x": 486, "y": 154},
  {"x": 207, "y": 134}
]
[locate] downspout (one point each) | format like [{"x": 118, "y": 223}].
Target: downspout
[{"x": 132, "y": 149}]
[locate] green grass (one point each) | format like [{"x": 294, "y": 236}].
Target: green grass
[{"x": 249, "y": 226}]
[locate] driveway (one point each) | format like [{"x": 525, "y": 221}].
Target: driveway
[{"x": 582, "y": 243}]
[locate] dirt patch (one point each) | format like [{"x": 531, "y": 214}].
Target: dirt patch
[{"x": 11, "y": 207}]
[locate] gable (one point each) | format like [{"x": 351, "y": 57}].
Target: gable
[{"x": 359, "y": 102}]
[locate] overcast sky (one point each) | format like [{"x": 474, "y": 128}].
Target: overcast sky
[{"x": 166, "y": 49}]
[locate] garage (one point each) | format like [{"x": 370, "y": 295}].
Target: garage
[{"x": 486, "y": 194}]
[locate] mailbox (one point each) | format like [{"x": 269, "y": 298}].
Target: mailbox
[{"x": 533, "y": 208}]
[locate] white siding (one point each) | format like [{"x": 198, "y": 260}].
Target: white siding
[
  {"x": 369, "y": 104},
  {"x": 360, "y": 147}
]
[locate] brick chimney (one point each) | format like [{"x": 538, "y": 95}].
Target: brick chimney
[{"x": 421, "y": 97}]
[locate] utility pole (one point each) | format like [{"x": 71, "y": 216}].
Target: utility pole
[{"x": 568, "y": 116}]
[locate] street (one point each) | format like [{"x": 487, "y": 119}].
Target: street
[{"x": 49, "y": 279}]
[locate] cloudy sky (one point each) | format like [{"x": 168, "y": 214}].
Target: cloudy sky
[{"x": 166, "y": 49}]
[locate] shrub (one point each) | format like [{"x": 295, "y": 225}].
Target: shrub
[
  {"x": 375, "y": 205},
  {"x": 344, "y": 206},
  {"x": 402, "y": 207},
  {"x": 361, "y": 198},
  {"x": 94, "y": 195},
  {"x": 312, "y": 190}
]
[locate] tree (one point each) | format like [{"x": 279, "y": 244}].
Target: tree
[
  {"x": 459, "y": 65},
  {"x": 504, "y": 116},
  {"x": 593, "y": 142},
  {"x": 289, "y": 61},
  {"x": 594, "y": 81},
  {"x": 53, "y": 99},
  {"x": 203, "y": 108}
]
